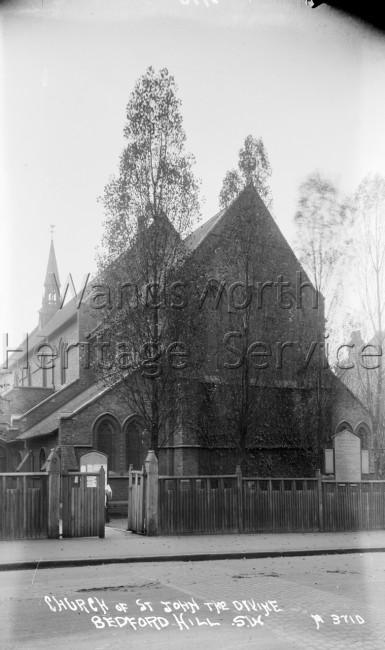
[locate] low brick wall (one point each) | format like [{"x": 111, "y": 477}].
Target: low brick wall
[{"x": 118, "y": 505}]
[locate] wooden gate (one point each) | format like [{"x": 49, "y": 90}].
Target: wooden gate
[
  {"x": 136, "y": 499},
  {"x": 83, "y": 504},
  {"x": 23, "y": 505}
]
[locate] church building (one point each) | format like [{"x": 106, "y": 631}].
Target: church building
[{"x": 257, "y": 391}]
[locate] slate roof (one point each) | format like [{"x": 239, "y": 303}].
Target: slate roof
[
  {"x": 197, "y": 236},
  {"x": 51, "y": 422}
]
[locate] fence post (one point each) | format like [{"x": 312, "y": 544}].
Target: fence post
[
  {"x": 320, "y": 503},
  {"x": 53, "y": 470},
  {"x": 129, "y": 499},
  {"x": 151, "y": 493},
  {"x": 238, "y": 472},
  {"x": 102, "y": 502}
]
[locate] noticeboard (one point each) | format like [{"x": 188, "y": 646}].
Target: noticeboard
[
  {"x": 92, "y": 463},
  {"x": 347, "y": 456}
]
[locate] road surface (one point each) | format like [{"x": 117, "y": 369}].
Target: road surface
[{"x": 283, "y": 604}]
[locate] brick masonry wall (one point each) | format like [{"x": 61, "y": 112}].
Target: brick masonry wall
[
  {"x": 20, "y": 399},
  {"x": 186, "y": 461},
  {"x": 57, "y": 400},
  {"x": 119, "y": 487},
  {"x": 269, "y": 321},
  {"x": 77, "y": 430},
  {"x": 80, "y": 429}
]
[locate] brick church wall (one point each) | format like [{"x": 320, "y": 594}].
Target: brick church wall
[{"x": 20, "y": 399}]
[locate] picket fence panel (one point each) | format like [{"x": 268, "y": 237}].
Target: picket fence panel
[
  {"x": 23, "y": 506},
  {"x": 198, "y": 504},
  {"x": 280, "y": 505},
  {"x": 353, "y": 506},
  {"x": 230, "y": 504}
]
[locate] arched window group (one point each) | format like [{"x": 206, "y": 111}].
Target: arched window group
[
  {"x": 124, "y": 446},
  {"x": 362, "y": 430}
]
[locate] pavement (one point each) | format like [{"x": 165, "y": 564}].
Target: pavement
[{"x": 122, "y": 546}]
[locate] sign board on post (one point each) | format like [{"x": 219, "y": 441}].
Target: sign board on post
[
  {"x": 329, "y": 461},
  {"x": 365, "y": 461},
  {"x": 91, "y": 463},
  {"x": 347, "y": 457}
]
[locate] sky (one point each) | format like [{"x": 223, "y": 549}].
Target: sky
[{"x": 310, "y": 82}]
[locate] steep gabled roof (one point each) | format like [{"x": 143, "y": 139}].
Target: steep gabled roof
[
  {"x": 191, "y": 243},
  {"x": 197, "y": 236},
  {"x": 51, "y": 422},
  {"x": 251, "y": 196}
]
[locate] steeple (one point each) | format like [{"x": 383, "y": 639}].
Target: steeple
[{"x": 51, "y": 298}]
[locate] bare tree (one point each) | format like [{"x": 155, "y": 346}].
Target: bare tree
[
  {"x": 369, "y": 211},
  {"x": 322, "y": 238},
  {"x": 322, "y": 247}
]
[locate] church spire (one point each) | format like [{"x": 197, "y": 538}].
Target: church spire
[{"x": 51, "y": 298}]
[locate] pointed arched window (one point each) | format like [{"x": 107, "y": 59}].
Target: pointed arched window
[
  {"x": 363, "y": 432},
  {"x": 344, "y": 426},
  {"x": 107, "y": 434},
  {"x": 134, "y": 445}
]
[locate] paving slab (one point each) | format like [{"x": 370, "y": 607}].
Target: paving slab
[{"x": 123, "y": 546}]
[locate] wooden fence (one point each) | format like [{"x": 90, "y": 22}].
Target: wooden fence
[
  {"x": 174, "y": 505},
  {"x": 33, "y": 503},
  {"x": 228, "y": 504},
  {"x": 198, "y": 504},
  {"x": 280, "y": 505},
  {"x": 23, "y": 506},
  {"x": 353, "y": 506}
]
